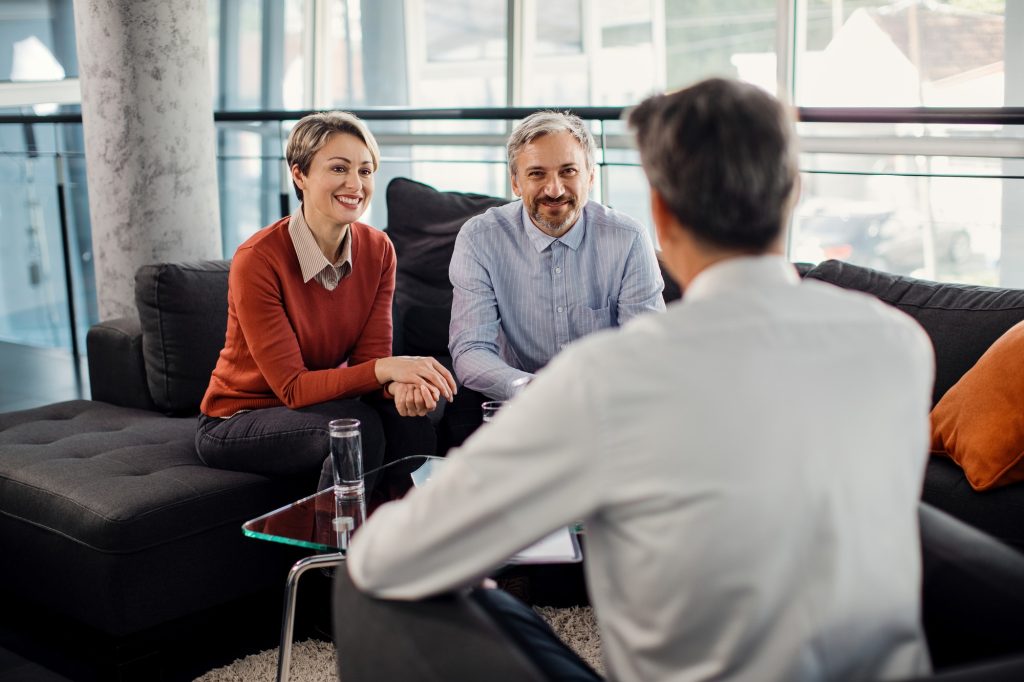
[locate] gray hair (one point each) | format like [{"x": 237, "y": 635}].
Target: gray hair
[
  {"x": 312, "y": 132},
  {"x": 723, "y": 156},
  {"x": 543, "y": 123}
]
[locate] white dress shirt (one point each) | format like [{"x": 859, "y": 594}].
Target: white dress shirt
[{"x": 748, "y": 467}]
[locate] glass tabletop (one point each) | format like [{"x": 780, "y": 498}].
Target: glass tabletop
[{"x": 324, "y": 521}]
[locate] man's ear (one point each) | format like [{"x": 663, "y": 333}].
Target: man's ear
[{"x": 664, "y": 221}]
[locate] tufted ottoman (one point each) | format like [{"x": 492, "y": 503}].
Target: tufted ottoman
[
  {"x": 109, "y": 516},
  {"x": 106, "y": 513}
]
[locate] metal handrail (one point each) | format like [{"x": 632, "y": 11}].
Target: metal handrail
[{"x": 923, "y": 115}]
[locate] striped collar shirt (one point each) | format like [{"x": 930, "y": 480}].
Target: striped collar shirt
[
  {"x": 520, "y": 296},
  {"x": 312, "y": 262}
]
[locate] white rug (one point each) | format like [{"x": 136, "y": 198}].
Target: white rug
[{"x": 313, "y": 660}]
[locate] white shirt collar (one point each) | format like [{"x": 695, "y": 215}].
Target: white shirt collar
[{"x": 742, "y": 272}]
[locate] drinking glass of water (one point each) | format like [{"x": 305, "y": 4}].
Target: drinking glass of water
[
  {"x": 490, "y": 409},
  {"x": 347, "y": 456},
  {"x": 349, "y": 489}
]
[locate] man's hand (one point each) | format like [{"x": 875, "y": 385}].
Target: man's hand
[
  {"x": 413, "y": 400},
  {"x": 417, "y": 371}
]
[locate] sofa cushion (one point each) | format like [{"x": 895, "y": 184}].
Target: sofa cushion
[
  {"x": 962, "y": 320},
  {"x": 979, "y": 423},
  {"x": 183, "y": 309},
  {"x": 997, "y": 512},
  {"x": 117, "y": 367},
  {"x": 423, "y": 224}
]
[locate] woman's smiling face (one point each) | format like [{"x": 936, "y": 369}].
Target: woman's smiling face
[{"x": 339, "y": 185}]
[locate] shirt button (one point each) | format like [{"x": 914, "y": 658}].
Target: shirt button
[
  {"x": 558, "y": 271},
  {"x": 561, "y": 309}
]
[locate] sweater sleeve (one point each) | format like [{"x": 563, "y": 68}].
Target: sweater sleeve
[
  {"x": 375, "y": 340},
  {"x": 263, "y": 320}
]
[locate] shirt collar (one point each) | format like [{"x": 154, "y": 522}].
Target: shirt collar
[
  {"x": 742, "y": 272},
  {"x": 311, "y": 259},
  {"x": 542, "y": 240}
]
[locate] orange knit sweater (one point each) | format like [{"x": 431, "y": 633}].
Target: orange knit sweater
[{"x": 295, "y": 344}]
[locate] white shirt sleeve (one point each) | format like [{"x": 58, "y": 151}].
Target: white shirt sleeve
[{"x": 514, "y": 481}]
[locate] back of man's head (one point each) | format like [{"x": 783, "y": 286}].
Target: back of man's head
[{"x": 722, "y": 154}]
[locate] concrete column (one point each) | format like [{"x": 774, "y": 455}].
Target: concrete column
[{"x": 147, "y": 115}]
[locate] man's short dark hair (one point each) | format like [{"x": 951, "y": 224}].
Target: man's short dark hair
[{"x": 723, "y": 156}]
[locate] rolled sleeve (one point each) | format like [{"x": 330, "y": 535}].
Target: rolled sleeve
[
  {"x": 476, "y": 325},
  {"x": 642, "y": 283}
]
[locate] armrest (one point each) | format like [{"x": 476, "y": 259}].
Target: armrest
[
  {"x": 972, "y": 591},
  {"x": 117, "y": 371}
]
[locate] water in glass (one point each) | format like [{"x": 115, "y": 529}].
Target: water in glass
[
  {"x": 349, "y": 513},
  {"x": 347, "y": 456}
]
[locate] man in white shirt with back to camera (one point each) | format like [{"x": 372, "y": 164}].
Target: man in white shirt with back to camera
[{"x": 747, "y": 465}]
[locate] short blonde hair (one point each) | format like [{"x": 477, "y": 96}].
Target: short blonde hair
[{"x": 312, "y": 132}]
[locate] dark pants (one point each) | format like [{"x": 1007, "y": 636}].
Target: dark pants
[
  {"x": 278, "y": 441},
  {"x": 534, "y": 637},
  {"x": 462, "y": 417},
  {"x": 486, "y": 634}
]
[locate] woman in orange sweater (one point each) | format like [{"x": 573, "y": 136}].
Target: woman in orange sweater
[{"x": 309, "y": 324}]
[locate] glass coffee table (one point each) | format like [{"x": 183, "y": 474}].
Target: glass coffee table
[{"x": 323, "y": 523}]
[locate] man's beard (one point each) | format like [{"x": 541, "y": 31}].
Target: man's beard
[{"x": 556, "y": 227}]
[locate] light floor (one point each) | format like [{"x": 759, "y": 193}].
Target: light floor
[{"x": 31, "y": 377}]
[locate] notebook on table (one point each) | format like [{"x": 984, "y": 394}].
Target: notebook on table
[{"x": 560, "y": 547}]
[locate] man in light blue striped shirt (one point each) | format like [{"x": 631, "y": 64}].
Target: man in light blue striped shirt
[{"x": 534, "y": 275}]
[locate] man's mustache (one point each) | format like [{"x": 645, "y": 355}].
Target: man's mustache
[{"x": 570, "y": 198}]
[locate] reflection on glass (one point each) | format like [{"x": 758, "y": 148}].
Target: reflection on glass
[
  {"x": 559, "y": 28},
  {"x": 249, "y": 170},
  {"x": 39, "y": 40},
  {"x": 885, "y": 54},
  {"x": 464, "y": 30},
  {"x": 734, "y": 38},
  {"x": 33, "y": 293},
  {"x": 629, "y": 192},
  {"x": 605, "y": 52},
  {"x": 941, "y": 224}
]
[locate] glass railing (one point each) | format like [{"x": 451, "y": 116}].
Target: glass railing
[{"x": 954, "y": 211}]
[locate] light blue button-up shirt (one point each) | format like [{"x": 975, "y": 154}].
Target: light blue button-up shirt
[{"x": 520, "y": 296}]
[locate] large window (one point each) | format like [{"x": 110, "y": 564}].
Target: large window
[
  {"x": 45, "y": 267},
  {"x": 876, "y": 53},
  {"x": 944, "y": 201}
]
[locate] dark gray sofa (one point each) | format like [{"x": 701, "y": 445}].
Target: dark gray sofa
[
  {"x": 112, "y": 486},
  {"x": 106, "y": 513}
]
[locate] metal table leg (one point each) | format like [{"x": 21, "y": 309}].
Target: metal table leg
[{"x": 284, "y": 657}]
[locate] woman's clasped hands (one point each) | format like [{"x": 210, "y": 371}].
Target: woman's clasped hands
[{"x": 417, "y": 383}]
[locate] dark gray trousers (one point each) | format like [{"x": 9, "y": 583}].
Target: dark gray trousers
[
  {"x": 278, "y": 441},
  {"x": 481, "y": 635}
]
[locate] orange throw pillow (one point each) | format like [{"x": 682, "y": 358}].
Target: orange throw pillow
[{"x": 980, "y": 421}]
